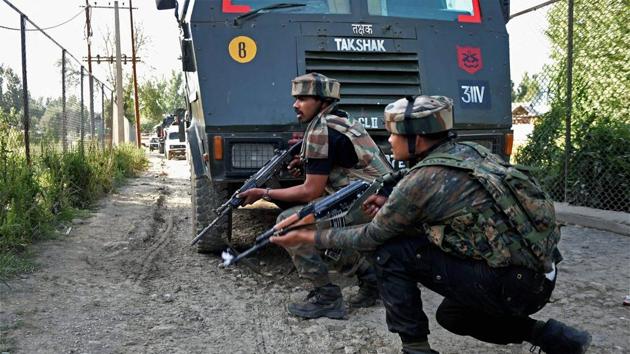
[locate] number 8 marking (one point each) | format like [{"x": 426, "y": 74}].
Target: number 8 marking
[{"x": 242, "y": 49}]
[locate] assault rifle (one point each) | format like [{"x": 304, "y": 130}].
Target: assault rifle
[
  {"x": 257, "y": 180},
  {"x": 324, "y": 213}
]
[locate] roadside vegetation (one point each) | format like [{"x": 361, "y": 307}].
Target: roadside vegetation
[
  {"x": 37, "y": 200},
  {"x": 598, "y": 171}
]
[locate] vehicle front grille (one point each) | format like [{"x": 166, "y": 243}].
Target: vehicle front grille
[
  {"x": 369, "y": 81},
  {"x": 247, "y": 155}
]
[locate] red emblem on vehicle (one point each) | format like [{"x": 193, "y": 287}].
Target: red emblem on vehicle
[{"x": 469, "y": 59}]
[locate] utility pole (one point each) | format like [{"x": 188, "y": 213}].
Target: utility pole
[
  {"x": 119, "y": 129},
  {"x": 88, "y": 36},
  {"x": 135, "y": 78}
]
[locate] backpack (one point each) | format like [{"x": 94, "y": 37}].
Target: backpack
[{"x": 517, "y": 195}]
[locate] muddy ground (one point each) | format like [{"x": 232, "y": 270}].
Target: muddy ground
[{"x": 124, "y": 280}]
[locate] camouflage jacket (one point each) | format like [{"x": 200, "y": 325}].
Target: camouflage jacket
[
  {"x": 371, "y": 161},
  {"x": 448, "y": 206}
]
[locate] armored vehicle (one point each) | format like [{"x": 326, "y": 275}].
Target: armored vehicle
[{"x": 239, "y": 57}]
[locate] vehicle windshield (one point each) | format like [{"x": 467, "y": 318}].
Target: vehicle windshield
[
  {"x": 447, "y": 10},
  {"x": 173, "y": 135},
  {"x": 421, "y": 9},
  {"x": 310, "y": 6}
]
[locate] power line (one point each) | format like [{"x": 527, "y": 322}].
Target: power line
[{"x": 47, "y": 28}]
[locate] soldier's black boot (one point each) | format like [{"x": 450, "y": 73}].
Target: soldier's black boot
[
  {"x": 417, "y": 348},
  {"x": 325, "y": 301},
  {"x": 556, "y": 337},
  {"x": 368, "y": 291}
]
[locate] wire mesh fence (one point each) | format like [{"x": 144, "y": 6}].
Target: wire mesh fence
[
  {"x": 572, "y": 117},
  {"x": 67, "y": 108}
]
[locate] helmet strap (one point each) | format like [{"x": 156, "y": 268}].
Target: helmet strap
[{"x": 411, "y": 138}]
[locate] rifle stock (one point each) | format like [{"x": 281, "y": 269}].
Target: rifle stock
[{"x": 269, "y": 170}]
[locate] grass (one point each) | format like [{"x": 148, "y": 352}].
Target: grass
[
  {"x": 37, "y": 199},
  {"x": 14, "y": 264}
]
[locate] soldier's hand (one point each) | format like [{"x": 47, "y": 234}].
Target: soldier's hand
[
  {"x": 295, "y": 238},
  {"x": 252, "y": 195},
  {"x": 295, "y": 166},
  {"x": 373, "y": 204}
]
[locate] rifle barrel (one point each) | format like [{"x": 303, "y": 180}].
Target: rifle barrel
[
  {"x": 203, "y": 232},
  {"x": 249, "y": 251}
]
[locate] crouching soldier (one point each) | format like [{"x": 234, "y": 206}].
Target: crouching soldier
[
  {"x": 465, "y": 224},
  {"x": 335, "y": 151}
]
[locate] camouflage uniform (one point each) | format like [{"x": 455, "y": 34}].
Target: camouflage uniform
[
  {"x": 371, "y": 165},
  {"x": 443, "y": 228}
]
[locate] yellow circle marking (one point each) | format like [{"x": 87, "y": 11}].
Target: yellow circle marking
[{"x": 242, "y": 49}]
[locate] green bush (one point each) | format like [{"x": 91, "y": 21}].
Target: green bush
[
  {"x": 599, "y": 174},
  {"x": 22, "y": 217},
  {"x": 599, "y": 155},
  {"x": 547, "y": 158}
]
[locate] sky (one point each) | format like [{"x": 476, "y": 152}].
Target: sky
[
  {"x": 528, "y": 45},
  {"x": 159, "y": 56},
  {"x": 529, "y": 48}
]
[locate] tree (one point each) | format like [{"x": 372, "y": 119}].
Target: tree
[
  {"x": 601, "y": 62},
  {"x": 528, "y": 90},
  {"x": 159, "y": 97},
  {"x": 597, "y": 157},
  {"x": 175, "y": 93},
  {"x": 51, "y": 121},
  {"x": 11, "y": 101},
  {"x": 109, "y": 44}
]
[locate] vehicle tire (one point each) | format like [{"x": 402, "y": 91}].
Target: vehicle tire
[
  {"x": 205, "y": 197},
  {"x": 168, "y": 155}
]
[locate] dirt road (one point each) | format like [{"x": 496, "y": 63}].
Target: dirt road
[{"x": 124, "y": 280}]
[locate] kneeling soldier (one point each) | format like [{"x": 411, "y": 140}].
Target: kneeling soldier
[
  {"x": 335, "y": 151},
  {"x": 465, "y": 224}
]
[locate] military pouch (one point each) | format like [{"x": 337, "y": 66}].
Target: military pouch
[
  {"x": 518, "y": 197},
  {"x": 532, "y": 200},
  {"x": 333, "y": 253}
]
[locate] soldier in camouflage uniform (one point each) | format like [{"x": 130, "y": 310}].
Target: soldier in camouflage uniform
[
  {"x": 466, "y": 225},
  {"x": 336, "y": 150}
]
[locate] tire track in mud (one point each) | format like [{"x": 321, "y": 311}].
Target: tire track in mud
[
  {"x": 261, "y": 337},
  {"x": 157, "y": 241}
]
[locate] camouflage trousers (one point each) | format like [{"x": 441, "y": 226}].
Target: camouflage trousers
[{"x": 312, "y": 263}]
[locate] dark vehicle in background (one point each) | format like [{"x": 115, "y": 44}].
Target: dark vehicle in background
[
  {"x": 154, "y": 144},
  {"x": 240, "y": 55},
  {"x": 167, "y": 121}
]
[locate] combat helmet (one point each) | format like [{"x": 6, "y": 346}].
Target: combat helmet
[
  {"x": 315, "y": 84},
  {"x": 426, "y": 115}
]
